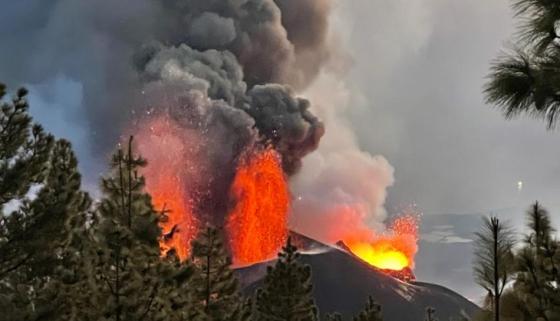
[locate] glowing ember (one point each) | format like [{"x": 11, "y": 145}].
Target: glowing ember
[
  {"x": 164, "y": 148},
  {"x": 394, "y": 250},
  {"x": 257, "y": 225}
]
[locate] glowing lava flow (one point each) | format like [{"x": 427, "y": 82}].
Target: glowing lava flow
[
  {"x": 257, "y": 225},
  {"x": 381, "y": 255},
  {"x": 394, "y": 250},
  {"x": 164, "y": 148}
]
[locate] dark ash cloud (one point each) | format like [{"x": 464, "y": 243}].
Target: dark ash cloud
[{"x": 226, "y": 47}]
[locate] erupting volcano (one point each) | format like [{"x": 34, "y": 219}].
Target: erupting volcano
[
  {"x": 219, "y": 109},
  {"x": 258, "y": 201},
  {"x": 254, "y": 119}
]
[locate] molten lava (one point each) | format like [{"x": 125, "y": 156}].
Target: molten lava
[
  {"x": 393, "y": 250},
  {"x": 257, "y": 224},
  {"x": 381, "y": 255},
  {"x": 164, "y": 148}
]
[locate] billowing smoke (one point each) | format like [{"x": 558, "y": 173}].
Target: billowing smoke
[
  {"x": 276, "y": 41},
  {"x": 205, "y": 90},
  {"x": 340, "y": 192},
  {"x": 225, "y": 46},
  {"x": 228, "y": 67},
  {"x": 200, "y": 83}
]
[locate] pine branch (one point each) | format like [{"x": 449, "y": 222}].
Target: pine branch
[
  {"x": 150, "y": 301},
  {"x": 15, "y": 266}
]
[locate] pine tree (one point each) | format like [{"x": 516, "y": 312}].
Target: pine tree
[
  {"x": 534, "y": 294},
  {"x": 287, "y": 291},
  {"x": 513, "y": 308},
  {"x": 117, "y": 271},
  {"x": 25, "y": 151},
  {"x": 61, "y": 259},
  {"x": 493, "y": 260},
  {"x": 537, "y": 267},
  {"x": 59, "y": 202},
  {"x": 180, "y": 291},
  {"x": 525, "y": 80},
  {"x": 33, "y": 235},
  {"x": 217, "y": 289},
  {"x": 372, "y": 312}
]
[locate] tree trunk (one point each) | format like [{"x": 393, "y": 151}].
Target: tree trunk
[{"x": 496, "y": 274}]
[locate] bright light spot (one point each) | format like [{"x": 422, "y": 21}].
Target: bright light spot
[{"x": 519, "y": 186}]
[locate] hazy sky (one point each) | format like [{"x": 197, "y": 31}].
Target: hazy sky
[
  {"x": 417, "y": 72},
  {"x": 420, "y": 67}
]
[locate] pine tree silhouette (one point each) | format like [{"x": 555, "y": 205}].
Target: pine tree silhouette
[{"x": 287, "y": 290}]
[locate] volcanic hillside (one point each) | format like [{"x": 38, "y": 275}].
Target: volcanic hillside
[{"x": 342, "y": 283}]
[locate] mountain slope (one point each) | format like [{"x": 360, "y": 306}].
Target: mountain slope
[{"x": 342, "y": 283}]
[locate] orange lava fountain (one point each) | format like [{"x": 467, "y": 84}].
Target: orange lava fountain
[
  {"x": 164, "y": 146},
  {"x": 393, "y": 250},
  {"x": 257, "y": 225}
]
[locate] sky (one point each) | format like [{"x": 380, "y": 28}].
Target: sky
[
  {"x": 421, "y": 68},
  {"x": 418, "y": 69},
  {"x": 416, "y": 72}
]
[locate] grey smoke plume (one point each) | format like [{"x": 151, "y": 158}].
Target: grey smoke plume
[
  {"x": 276, "y": 41},
  {"x": 224, "y": 72},
  {"x": 286, "y": 122},
  {"x": 280, "y": 118},
  {"x": 230, "y": 50},
  {"x": 341, "y": 190}
]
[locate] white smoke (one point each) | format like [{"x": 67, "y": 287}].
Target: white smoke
[{"x": 341, "y": 189}]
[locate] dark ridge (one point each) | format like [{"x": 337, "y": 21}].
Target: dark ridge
[{"x": 342, "y": 283}]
